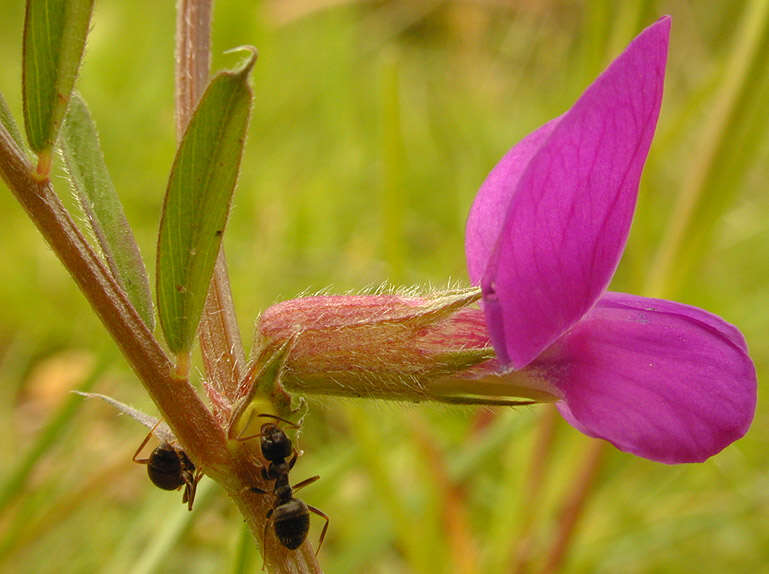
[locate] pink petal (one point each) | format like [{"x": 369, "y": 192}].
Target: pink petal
[
  {"x": 570, "y": 207},
  {"x": 658, "y": 379},
  {"x": 487, "y": 214}
]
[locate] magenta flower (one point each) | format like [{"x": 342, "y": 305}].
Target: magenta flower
[
  {"x": 659, "y": 379},
  {"x": 656, "y": 378}
]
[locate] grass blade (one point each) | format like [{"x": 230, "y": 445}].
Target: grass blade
[{"x": 730, "y": 141}]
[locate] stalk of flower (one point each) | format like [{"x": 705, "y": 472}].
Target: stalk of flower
[{"x": 658, "y": 379}]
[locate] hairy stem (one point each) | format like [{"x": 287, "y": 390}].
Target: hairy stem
[
  {"x": 193, "y": 56},
  {"x": 190, "y": 420}
]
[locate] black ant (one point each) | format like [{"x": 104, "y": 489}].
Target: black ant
[
  {"x": 170, "y": 468},
  {"x": 290, "y": 516}
]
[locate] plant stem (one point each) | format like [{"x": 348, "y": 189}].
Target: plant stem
[
  {"x": 219, "y": 335},
  {"x": 193, "y": 55},
  {"x": 190, "y": 420}
]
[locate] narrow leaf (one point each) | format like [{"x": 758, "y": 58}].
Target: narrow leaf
[
  {"x": 197, "y": 203},
  {"x": 54, "y": 38},
  {"x": 161, "y": 430},
  {"x": 6, "y": 119},
  {"x": 88, "y": 175}
]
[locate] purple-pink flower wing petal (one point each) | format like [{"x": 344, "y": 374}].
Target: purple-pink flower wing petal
[
  {"x": 658, "y": 379},
  {"x": 569, "y": 209},
  {"x": 487, "y": 214}
]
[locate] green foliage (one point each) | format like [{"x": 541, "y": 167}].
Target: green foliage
[
  {"x": 472, "y": 78},
  {"x": 198, "y": 202},
  {"x": 88, "y": 176},
  {"x": 54, "y": 39},
  {"x": 6, "y": 119}
]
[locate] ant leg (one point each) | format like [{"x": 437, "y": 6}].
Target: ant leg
[
  {"x": 292, "y": 462},
  {"x": 257, "y": 490},
  {"x": 305, "y": 482},
  {"x": 264, "y": 538},
  {"x": 277, "y": 418},
  {"x": 325, "y": 526},
  {"x": 190, "y": 488},
  {"x": 141, "y": 446},
  {"x": 240, "y": 437},
  {"x": 189, "y": 495}
]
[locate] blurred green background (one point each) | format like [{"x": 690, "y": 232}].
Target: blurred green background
[{"x": 373, "y": 125}]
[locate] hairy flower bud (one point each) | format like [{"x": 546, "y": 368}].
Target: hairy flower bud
[{"x": 434, "y": 347}]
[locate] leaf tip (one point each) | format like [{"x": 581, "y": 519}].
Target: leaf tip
[{"x": 245, "y": 68}]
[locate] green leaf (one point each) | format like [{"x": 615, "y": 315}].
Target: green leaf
[
  {"x": 54, "y": 38},
  {"x": 197, "y": 203},
  {"x": 88, "y": 175},
  {"x": 6, "y": 119},
  {"x": 158, "y": 427}
]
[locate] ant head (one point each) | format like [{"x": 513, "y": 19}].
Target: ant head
[{"x": 275, "y": 445}]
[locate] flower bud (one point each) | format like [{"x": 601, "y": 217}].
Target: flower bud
[{"x": 396, "y": 347}]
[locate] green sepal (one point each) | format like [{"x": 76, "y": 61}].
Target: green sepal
[{"x": 264, "y": 393}]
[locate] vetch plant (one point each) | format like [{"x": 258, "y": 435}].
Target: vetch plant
[
  {"x": 193, "y": 292},
  {"x": 659, "y": 379},
  {"x": 656, "y": 378}
]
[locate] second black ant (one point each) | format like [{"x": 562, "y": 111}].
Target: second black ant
[
  {"x": 289, "y": 516},
  {"x": 169, "y": 468}
]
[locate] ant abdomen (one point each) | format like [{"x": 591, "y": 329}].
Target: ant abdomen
[
  {"x": 291, "y": 521},
  {"x": 169, "y": 468},
  {"x": 164, "y": 467}
]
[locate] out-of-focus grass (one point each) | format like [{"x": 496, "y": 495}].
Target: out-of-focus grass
[{"x": 374, "y": 123}]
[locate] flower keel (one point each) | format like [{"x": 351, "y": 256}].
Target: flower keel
[{"x": 658, "y": 379}]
